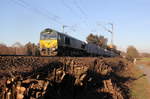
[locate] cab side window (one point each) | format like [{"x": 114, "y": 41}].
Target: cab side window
[
  {"x": 83, "y": 46},
  {"x": 67, "y": 40},
  {"x": 61, "y": 38}
]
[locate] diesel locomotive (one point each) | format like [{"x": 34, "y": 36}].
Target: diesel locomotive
[{"x": 54, "y": 43}]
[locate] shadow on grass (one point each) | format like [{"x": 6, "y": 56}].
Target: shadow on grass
[{"x": 121, "y": 81}]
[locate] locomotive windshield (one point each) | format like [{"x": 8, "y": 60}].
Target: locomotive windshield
[{"x": 48, "y": 36}]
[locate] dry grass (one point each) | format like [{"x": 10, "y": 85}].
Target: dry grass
[
  {"x": 145, "y": 61},
  {"x": 140, "y": 88}
]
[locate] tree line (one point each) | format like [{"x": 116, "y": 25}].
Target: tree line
[
  {"x": 18, "y": 49},
  {"x": 131, "y": 51}
]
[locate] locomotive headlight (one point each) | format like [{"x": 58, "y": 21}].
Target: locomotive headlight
[{"x": 53, "y": 49}]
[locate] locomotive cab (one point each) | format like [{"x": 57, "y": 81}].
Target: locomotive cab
[{"x": 48, "y": 42}]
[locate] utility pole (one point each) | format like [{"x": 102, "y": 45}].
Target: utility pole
[
  {"x": 110, "y": 31},
  {"x": 63, "y": 28}
]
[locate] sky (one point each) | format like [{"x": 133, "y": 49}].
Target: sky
[{"x": 23, "y": 20}]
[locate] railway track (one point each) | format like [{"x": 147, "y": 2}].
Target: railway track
[
  {"x": 53, "y": 56},
  {"x": 27, "y": 55}
]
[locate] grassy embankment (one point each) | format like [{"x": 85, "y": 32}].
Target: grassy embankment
[{"x": 140, "y": 88}]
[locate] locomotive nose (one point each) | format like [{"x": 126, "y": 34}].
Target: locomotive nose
[
  {"x": 48, "y": 47},
  {"x": 48, "y": 44}
]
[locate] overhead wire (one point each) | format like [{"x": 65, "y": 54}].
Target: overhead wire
[
  {"x": 82, "y": 16},
  {"x": 83, "y": 13},
  {"x": 70, "y": 9},
  {"x": 26, "y": 5},
  {"x": 36, "y": 10},
  {"x": 39, "y": 11},
  {"x": 80, "y": 9},
  {"x": 67, "y": 6}
]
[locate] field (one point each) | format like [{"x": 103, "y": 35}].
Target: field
[{"x": 145, "y": 60}]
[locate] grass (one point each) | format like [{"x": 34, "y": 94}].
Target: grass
[
  {"x": 145, "y": 61},
  {"x": 140, "y": 88}
]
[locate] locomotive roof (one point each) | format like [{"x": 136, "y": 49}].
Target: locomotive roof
[{"x": 48, "y": 30}]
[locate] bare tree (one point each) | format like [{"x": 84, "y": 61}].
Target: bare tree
[
  {"x": 99, "y": 40},
  {"x": 32, "y": 49},
  {"x": 18, "y": 49},
  {"x": 3, "y": 49},
  {"x": 132, "y": 52}
]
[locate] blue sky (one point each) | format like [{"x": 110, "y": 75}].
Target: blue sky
[{"x": 23, "y": 20}]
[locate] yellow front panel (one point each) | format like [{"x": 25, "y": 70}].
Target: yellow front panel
[{"x": 48, "y": 43}]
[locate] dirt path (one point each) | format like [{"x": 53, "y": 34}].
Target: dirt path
[{"x": 146, "y": 70}]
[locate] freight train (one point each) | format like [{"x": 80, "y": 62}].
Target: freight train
[{"x": 54, "y": 43}]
